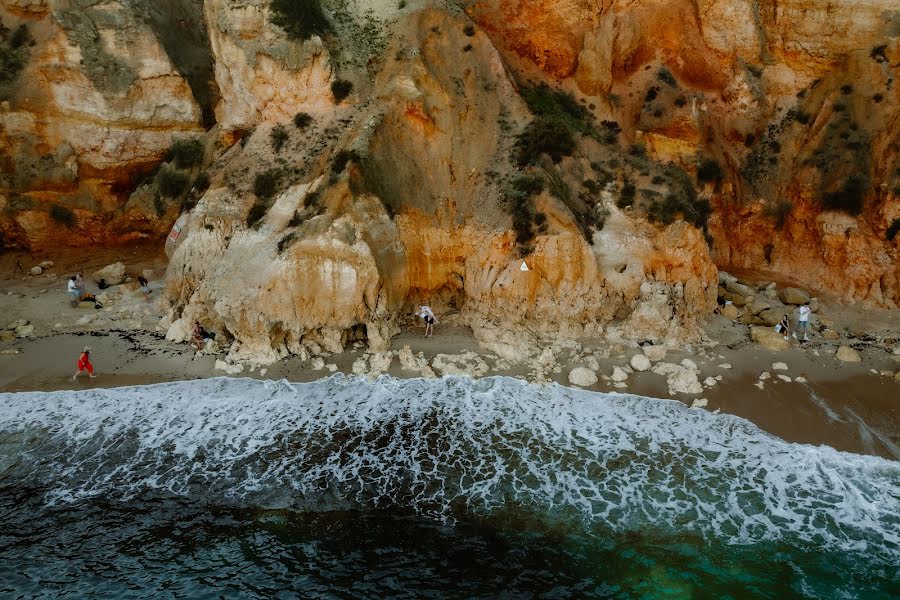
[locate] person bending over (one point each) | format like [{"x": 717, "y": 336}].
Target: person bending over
[{"x": 426, "y": 313}]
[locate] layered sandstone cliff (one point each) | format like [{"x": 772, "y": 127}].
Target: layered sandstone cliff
[
  {"x": 96, "y": 101},
  {"x": 620, "y": 149},
  {"x": 790, "y": 99},
  {"x": 346, "y": 247}
]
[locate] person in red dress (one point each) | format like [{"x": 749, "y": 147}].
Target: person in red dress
[{"x": 84, "y": 364}]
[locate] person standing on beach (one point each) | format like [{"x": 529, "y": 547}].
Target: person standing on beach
[
  {"x": 803, "y": 322},
  {"x": 426, "y": 313},
  {"x": 145, "y": 287},
  {"x": 84, "y": 364}
]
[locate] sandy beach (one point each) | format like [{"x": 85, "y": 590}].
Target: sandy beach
[{"x": 849, "y": 406}]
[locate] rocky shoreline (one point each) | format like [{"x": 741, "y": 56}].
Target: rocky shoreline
[{"x": 801, "y": 393}]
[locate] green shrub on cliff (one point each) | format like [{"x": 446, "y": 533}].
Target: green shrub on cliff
[
  {"x": 849, "y": 197},
  {"x": 300, "y": 19},
  {"x": 62, "y": 215},
  {"x": 302, "y": 120},
  {"x": 893, "y": 230},
  {"x": 544, "y": 136},
  {"x": 278, "y": 137},
  {"x": 340, "y": 89},
  {"x": 266, "y": 183},
  {"x": 186, "y": 153},
  {"x": 13, "y": 54},
  {"x": 171, "y": 183},
  {"x": 708, "y": 170}
]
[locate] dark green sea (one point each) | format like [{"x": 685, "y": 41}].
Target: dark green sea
[{"x": 450, "y": 488}]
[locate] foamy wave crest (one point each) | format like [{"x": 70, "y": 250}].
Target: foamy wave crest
[{"x": 437, "y": 446}]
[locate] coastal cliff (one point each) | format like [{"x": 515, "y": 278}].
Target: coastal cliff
[{"x": 528, "y": 168}]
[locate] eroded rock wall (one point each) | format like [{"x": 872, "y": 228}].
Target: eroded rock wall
[
  {"x": 344, "y": 252},
  {"x": 97, "y": 101},
  {"x": 752, "y": 85}
]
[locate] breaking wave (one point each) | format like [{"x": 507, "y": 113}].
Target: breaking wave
[{"x": 437, "y": 447}]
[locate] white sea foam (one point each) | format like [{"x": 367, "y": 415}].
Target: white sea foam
[{"x": 435, "y": 446}]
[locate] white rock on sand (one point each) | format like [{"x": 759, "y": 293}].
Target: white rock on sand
[
  {"x": 468, "y": 363},
  {"x": 24, "y": 331},
  {"x": 764, "y": 375},
  {"x": 36, "y": 270},
  {"x": 380, "y": 362},
  {"x": 779, "y": 366},
  {"x": 725, "y": 366},
  {"x": 784, "y": 378},
  {"x": 640, "y": 362},
  {"x": 231, "y": 369},
  {"x": 680, "y": 378},
  {"x": 710, "y": 381},
  {"x": 411, "y": 362},
  {"x": 699, "y": 403},
  {"x": 654, "y": 353},
  {"x": 47, "y": 264},
  {"x": 582, "y": 377},
  {"x": 848, "y": 354},
  {"x": 619, "y": 375}
]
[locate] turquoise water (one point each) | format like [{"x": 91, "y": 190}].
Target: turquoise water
[{"x": 447, "y": 488}]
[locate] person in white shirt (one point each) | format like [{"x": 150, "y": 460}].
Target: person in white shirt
[
  {"x": 73, "y": 291},
  {"x": 426, "y": 313},
  {"x": 803, "y": 321}
]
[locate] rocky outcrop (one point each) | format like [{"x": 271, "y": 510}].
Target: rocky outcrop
[
  {"x": 261, "y": 73},
  {"x": 795, "y": 126},
  {"x": 404, "y": 210},
  {"x": 97, "y": 102}
]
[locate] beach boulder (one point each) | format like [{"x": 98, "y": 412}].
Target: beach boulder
[
  {"x": 795, "y": 296},
  {"x": 582, "y": 377},
  {"x": 740, "y": 289},
  {"x": 729, "y": 311},
  {"x": 682, "y": 379},
  {"x": 655, "y": 353},
  {"x": 113, "y": 274},
  {"x": 771, "y": 316},
  {"x": 36, "y": 270},
  {"x": 639, "y": 362},
  {"x": 848, "y": 354},
  {"x": 24, "y": 331},
  {"x": 769, "y": 338},
  {"x": 726, "y": 278}
]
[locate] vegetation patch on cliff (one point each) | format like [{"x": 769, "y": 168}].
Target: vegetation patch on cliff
[
  {"x": 13, "y": 56},
  {"x": 300, "y": 19}
]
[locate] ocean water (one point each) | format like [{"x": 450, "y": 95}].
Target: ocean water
[{"x": 450, "y": 488}]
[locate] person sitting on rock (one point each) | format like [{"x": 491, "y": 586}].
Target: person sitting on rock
[
  {"x": 426, "y": 313},
  {"x": 785, "y": 325},
  {"x": 79, "y": 282},
  {"x": 73, "y": 291}
]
